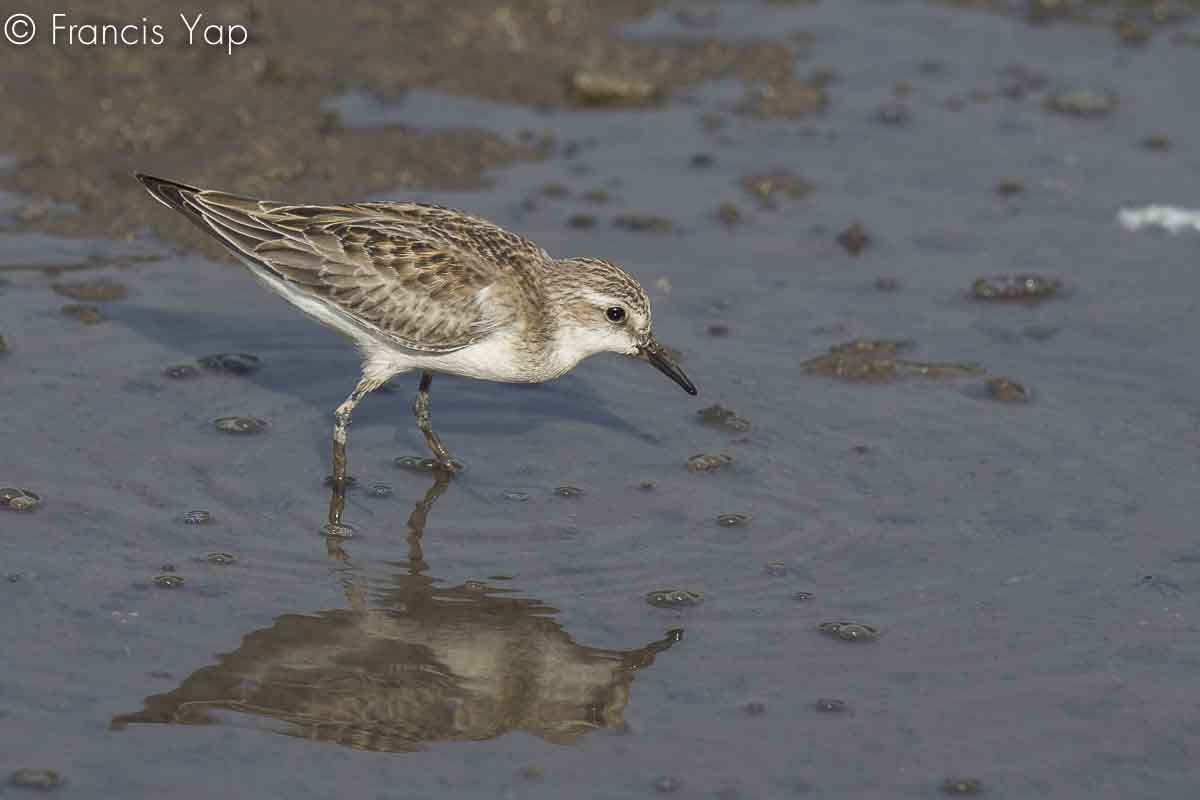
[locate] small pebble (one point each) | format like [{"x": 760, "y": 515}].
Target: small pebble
[
  {"x": 380, "y": 490},
  {"x": 854, "y": 239},
  {"x": 1006, "y": 390},
  {"x": 830, "y": 705},
  {"x": 221, "y": 559},
  {"x": 1156, "y": 143},
  {"x": 581, "y": 221},
  {"x": 755, "y": 708},
  {"x": 168, "y": 581},
  {"x": 595, "y": 196},
  {"x": 962, "y": 786},
  {"x": 40, "y": 779},
  {"x": 646, "y": 486},
  {"x": 702, "y": 160},
  {"x": 1009, "y": 188},
  {"x": 555, "y": 190},
  {"x": 197, "y": 518},
  {"x": 802, "y": 597},
  {"x": 892, "y": 114},
  {"x": 718, "y": 330},
  {"x": 733, "y": 520},
  {"x": 674, "y": 598},
  {"x": 240, "y": 425},
  {"x": 516, "y": 496},
  {"x": 568, "y": 491},
  {"x": 777, "y": 569},
  {"x": 887, "y": 284},
  {"x": 849, "y": 631},
  {"x": 729, "y": 213},
  {"x": 531, "y": 773},
  {"x": 177, "y": 372}
]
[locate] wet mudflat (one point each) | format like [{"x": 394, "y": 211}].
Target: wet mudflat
[{"x": 894, "y": 576}]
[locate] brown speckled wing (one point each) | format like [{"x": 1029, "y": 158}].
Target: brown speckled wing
[{"x": 428, "y": 278}]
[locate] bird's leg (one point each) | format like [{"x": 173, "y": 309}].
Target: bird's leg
[
  {"x": 421, "y": 412},
  {"x": 341, "y": 421}
]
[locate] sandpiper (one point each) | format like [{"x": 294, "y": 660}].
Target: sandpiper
[{"x": 421, "y": 287}]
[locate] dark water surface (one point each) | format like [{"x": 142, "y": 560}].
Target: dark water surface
[{"x": 1032, "y": 569}]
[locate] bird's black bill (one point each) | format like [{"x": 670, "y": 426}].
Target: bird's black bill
[{"x": 653, "y": 352}]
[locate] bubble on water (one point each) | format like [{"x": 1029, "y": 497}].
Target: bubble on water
[
  {"x": 674, "y": 598},
  {"x": 516, "y": 496},
  {"x": 415, "y": 463},
  {"x": 350, "y": 483},
  {"x": 733, "y": 520},
  {"x": 232, "y": 363},
  {"x": 240, "y": 425},
  {"x": 849, "y": 631},
  {"x": 177, "y": 372},
  {"x": 568, "y": 491},
  {"x": 197, "y": 517},
  {"x": 380, "y": 490},
  {"x": 221, "y": 559},
  {"x": 667, "y": 784},
  {"x": 40, "y": 779},
  {"x": 168, "y": 581},
  {"x": 831, "y": 705},
  {"x": 337, "y": 530},
  {"x": 15, "y": 499}
]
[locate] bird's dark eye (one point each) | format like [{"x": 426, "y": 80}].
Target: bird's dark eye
[{"x": 615, "y": 314}]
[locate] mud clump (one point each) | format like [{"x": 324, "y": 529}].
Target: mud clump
[
  {"x": 962, "y": 786},
  {"x": 644, "y": 223},
  {"x": 717, "y": 416},
  {"x": 849, "y": 631},
  {"x": 768, "y": 187},
  {"x": 96, "y": 290},
  {"x": 241, "y": 426},
  {"x": 1006, "y": 390},
  {"x": 231, "y": 363},
  {"x": 1025, "y": 288},
  {"x": 674, "y": 598},
  {"x": 1083, "y": 103},
  {"x": 874, "y": 361},
  {"x": 83, "y": 312},
  {"x": 707, "y": 463},
  {"x": 589, "y": 88},
  {"x": 788, "y": 99},
  {"x": 20, "y": 500}
]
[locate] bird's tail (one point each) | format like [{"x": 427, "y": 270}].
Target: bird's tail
[{"x": 172, "y": 194}]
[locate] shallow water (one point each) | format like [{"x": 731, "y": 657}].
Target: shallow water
[{"x": 1031, "y": 568}]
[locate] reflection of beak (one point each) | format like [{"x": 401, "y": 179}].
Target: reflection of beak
[{"x": 653, "y": 352}]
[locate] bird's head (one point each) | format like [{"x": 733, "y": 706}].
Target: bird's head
[{"x": 604, "y": 309}]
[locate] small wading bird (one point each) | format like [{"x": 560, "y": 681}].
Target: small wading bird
[{"x": 420, "y": 287}]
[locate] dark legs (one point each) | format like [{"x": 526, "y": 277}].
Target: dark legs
[
  {"x": 341, "y": 417},
  {"x": 421, "y": 412}
]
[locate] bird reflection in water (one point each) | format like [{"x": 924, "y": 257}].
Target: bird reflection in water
[{"x": 411, "y": 662}]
